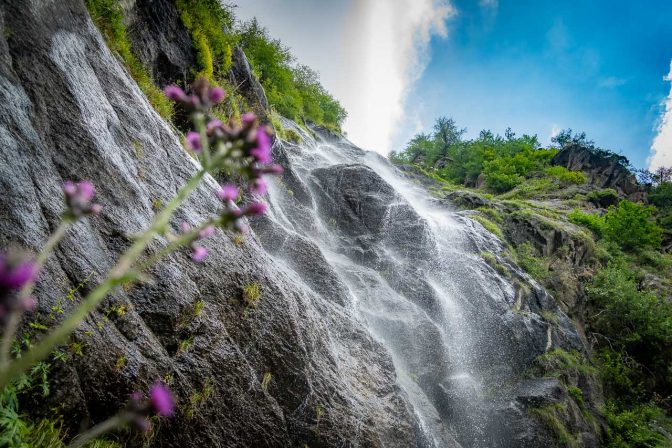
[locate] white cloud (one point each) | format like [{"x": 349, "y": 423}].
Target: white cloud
[
  {"x": 368, "y": 53},
  {"x": 386, "y": 50},
  {"x": 612, "y": 82},
  {"x": 661, "y": 148},
  {"x": 555, "y": 130}
]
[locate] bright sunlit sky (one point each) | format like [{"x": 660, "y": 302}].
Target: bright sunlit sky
[{"x": 536, "y": 66}]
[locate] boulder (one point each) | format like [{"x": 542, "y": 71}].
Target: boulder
[{"x": 603, "y": 170}]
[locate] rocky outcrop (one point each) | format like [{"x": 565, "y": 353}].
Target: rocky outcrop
[
  {"x": 159, "y": 39},
  {"x": 69, "y": 110},
  {"x": 247, "y": 83},
  {"x": 603, "y": 170}
]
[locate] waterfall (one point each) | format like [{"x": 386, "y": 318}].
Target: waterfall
[{"x": 414, "y": 276}]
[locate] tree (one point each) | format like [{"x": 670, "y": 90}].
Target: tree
[
  {"x": 633, "y": 226},
  {"x": 446, "y": 134}
]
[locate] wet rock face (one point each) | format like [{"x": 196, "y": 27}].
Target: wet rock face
[
  {"x": 602, "y": 171},
  {"x": 69, "y": 111},
  {"x": 160, "y": 40},
  {"x": 244, "y": 79}
]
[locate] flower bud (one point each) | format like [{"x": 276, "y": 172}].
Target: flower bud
[
  {"x": 228, "y": 192},
  {"x": 193, "y": 141},
  {"x": 216, "y": 94}
]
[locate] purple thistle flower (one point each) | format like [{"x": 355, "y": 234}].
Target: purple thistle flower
[
  {"x": 198, "y": 253},
  {"x": 69, "y": 188},
  {"x": 16, "y": 271},
  {"x": 262, "y": 152},
  {"x": 258, "y": 186},
  {"x": 256, "y": 208},
  {"x": 248, "y": 118},
  {"x": 206, "y": 232},
  {"x": 185, "y": 227},
  {"x": 261, "y": 155},
  {"x": 174, "y": 93},
  {"x": 193, "y": 140},
  {"x": 228, "y": 192},
  {"x": 78, "y": 197},
  {"x": 162, "y": 400},
  {"x": 216, "y": 94}
]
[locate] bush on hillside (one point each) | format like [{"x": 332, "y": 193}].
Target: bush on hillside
[
  {"x": 633, "y": 226},
  {"x": 635, "y": 322}
]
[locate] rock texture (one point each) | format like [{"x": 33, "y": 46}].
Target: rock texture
[
  {"x": 70, "y": 111},
  {"x": 604, "y": 171},
  {"x": 160, "y": 40}
]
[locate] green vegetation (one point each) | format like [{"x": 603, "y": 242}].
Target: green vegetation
[
  {"x": 266, "y": 380},
  {"x": 637, "y": 323},
  {"x": 109, "y": 18},
  {"x": 640, "y": 427},
  {"x": 16, "y": 431},
  {"x": 526, "y": 257},
  {"x": 630, "y": 225},
  {"x": 502, "y": 163},
  {"x": 551, "y": 416},
  {"x": 292, "y": 89},
  {"x": 210, "y": 25},
  {"x": 489, "y": 225},
  {"x": 591, "y": 221},
  {"x": 633, "y": 226},
  {"x": 251, "y": 295},
  {"x": 199, "y": 399}
]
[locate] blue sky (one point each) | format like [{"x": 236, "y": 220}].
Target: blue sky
[
  {"x": 536, "y": 66},
  {"x": 540, "y": 65}
]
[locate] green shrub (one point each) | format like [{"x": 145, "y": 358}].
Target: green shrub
[
  {"x": 594, "y": 223},
  {"x": 565, "y": 176},
  {"x": 661, "y": 195},
  {"x": 531, "y": 188},
  {"x": 489, "y": 225},
  {"x": 16, "y": 431},
  {"x": 536, "y": 267},
  {"x": 633, "y": 226},
  {"x": 211, "y": 28},
  {"x": 251, "y": 295},
  {"x": 576, "y": 393},
  {"x": 562, "y": 364},
  {"x": 109, "y": 18},
  {"x": 636, "y": 322},
  {"x": 622, "y": 377},
  {"x": 639, "y": 427}
]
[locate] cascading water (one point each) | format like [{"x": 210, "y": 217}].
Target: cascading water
[{"x": 415, "y": 278}]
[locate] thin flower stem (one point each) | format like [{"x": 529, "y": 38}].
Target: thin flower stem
[
  {"x": 181, "y": 241},
  {"x": 15, "y": 318},
  {"x": 100, "y": 429},
  {"x": 199, "y": 124}
]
